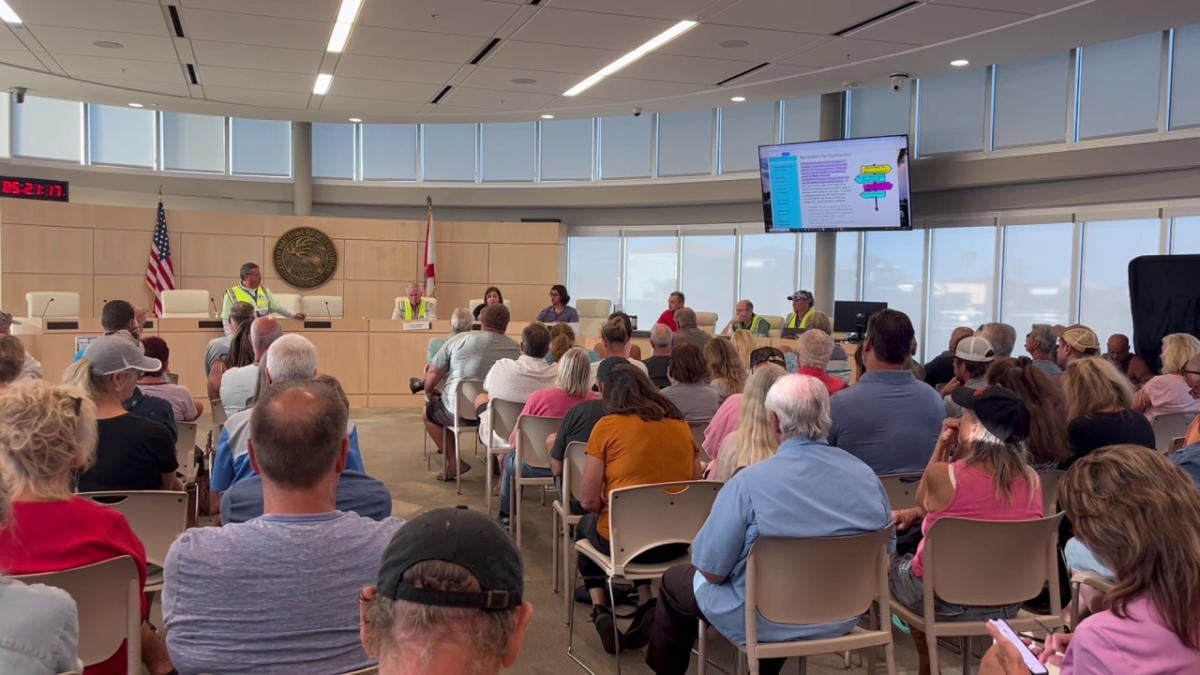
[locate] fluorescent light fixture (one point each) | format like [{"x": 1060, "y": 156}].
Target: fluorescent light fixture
[
  {"x": 654, "y": 43},
  {"x": 959, "y": 63},
  {"x": 356, "y": 120},
  {"x": 346, "y": 16},
  {"x": 547, "y": 116},
  {"x": 136, "y": 105},
  {"x": 322, "y": 84},
  {"x": 8, "y": 15},
  {"x": 738, "y": 99}
]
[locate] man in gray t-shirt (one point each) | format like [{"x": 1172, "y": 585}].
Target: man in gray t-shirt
[{"x": 466, "y": 357}]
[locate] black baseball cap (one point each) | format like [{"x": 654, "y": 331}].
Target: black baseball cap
[
  {"x": 463, "y": 537},
  {"x": 769, "y": 354},
  {"x": 999, "y": 410}
]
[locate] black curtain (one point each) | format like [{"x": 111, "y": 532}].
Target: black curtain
[{"x": 1164, "y": 295}]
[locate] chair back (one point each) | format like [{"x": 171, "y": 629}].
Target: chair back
[
  {"x": 108, "y": 597},
  {"x": 532, "y": 432},
  {"x": 572, "y": 476},
  {"x": 901, "y": 489},
  {"x": 218, "y": 413},
  {"x": 1050, "y": 479},
  {"x": 1169, "y": 427},
  {"x": 504, "y": 416},
  {"x": 593, "y": 308},
  {"x": 315, "y": 308},
  {"x": 185, "y": 449},
  {"x": 65, "y": 305},
  {"x": 288, "y": 301},
  {"x": 465, "y": 399},
  {"x": 775, "y": 323},
  {"x": 992, "y": 563},
  {"x": 186, "y": 304},
  {"x": 707, "y": 321},
  {"x": 698, "y": 428},
  {"x": 643, "y": 517},
  {"x": 157, "y": 517}
]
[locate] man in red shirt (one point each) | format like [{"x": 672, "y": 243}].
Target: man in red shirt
[
  {"x": 674, "y": 302},
  {"x": 813, "y": 349}
]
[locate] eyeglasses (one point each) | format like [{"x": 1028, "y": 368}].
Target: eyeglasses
[{"x": 1185, "y": 371}]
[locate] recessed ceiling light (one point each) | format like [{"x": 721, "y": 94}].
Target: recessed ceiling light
[
  {"x": 735, "y": 44},
  {"x": 136, "y": 105},
  {"x": 346, "y": 16},
  {"x": 8, "y": 15},
  {"x": 959, "y": 63},
  {"x": 356, "y": 120},
  {"x": 547, "y": 116},
  {"x": 108, "y": 44},
  {"x": 654, "y": 43},
  {"x": 738, "y": 99},
  {"x": 524, "y": 80},
  {"x": 322, "y": 84}
]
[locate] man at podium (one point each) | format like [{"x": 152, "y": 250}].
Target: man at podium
[{"x": 251, "y": 290}]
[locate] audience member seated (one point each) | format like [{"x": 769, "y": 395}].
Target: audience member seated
[
  {"x": 971, "y": 360},
  {"x": 744, "y": 318},
  {"x": 47, "y": 433},
  {"x": 580, "y": 419},
  {"x": 291, "y": 358},
  {"x": 470, "y": 357},
  {"x": 159, "y": 385},
  {"x": 813, "y": 349},
  {"x": 31, "y": 368},
  {"x": 726, "y": 368},
  {"x": 562, "y": 338},
  {"x": 979, "y": 471},
  {"x": 460, "y": 323},
  {"x": 687, "y": 332},
  {"x": 277, "y": 594},
  {"x": 449, "y": 598},
  {"x": 889, "y": 419},
  {"x": 119, "y": 315},
  {"x": 689, "y": 389},
  {"x": 571, "y": 388},
  {"x": 1075, "y": 343},
  {"x": 132, "y": 453},
  {"x": 1039, "y": 342},
  {"x": 614, "y": 338},
  {"x": 807, "y": 489},
  {"x": 240, "y": 313},
  {"x": 492, "y": 296},
  {"x": 1188, "y": 459},
  {"x": 660, "y": 355},
  {"x": 412, "y": 307},
  {"x": 558, "y": 311},
  {"x": 726, "y": 419},
  {"x": 1170, "y": 393},
  {"x": 674, "y": 304},
  {"x": 1133, "y": 366},
  {"x": 797, "y": 321},
  {"x": 743, "y": 343},
  {"x": 839, "y": 362},
  {"x": 1141, "y": 516},
  {"x": 643, "y": 439},
  {"x": 632, "y": 352},
  {"x": 1100, "y": 409},
  {"x": 517, "y": 379},
  {"x": 1001, "y": 336},
  {"x": 940, "y": 369},
  {"x": 240, "y": 354},
  {"x": 12, "y": 360},
  {"x": 238, "y": 385},
  {"x": 1048, "y": 447},
  {"x": 753, "y": 440}
]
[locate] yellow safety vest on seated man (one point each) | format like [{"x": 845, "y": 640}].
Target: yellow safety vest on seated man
[
  {"x": 260, "y": 298},
  {"x": 791, "y": 322},
  {"x": 405, "y": 310},
  {"x": 758, "y": 326}
]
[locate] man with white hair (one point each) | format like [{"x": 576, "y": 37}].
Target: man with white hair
[
  {"x": 237, "y": 385},
  {"x": 291, "y": 358},
  {"x": 813, "y": 349},
  {"x": 660, "y": 355},
  {"x": 461, "y": 321},
  {"x": 1001, "y": 336},
  {"x": 808, "y": 489},
  {"x": 413, "y": 307}
]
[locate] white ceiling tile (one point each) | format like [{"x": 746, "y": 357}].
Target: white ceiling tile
[
  {"x": 929, "y": 24},
  {"x": 308, "y": 10},
  {"x": 835, "y": 52},
  {"x": 689, "y": 69},
  {"x": 590, "y": 29},
  {"x": 62, "y": 40},
  {"x": 1022, "y": 6},
  {"x": 486, "y": 77},
  {"x": 771, "y": 72},
  {"x": 411, "y": 44},
  {"x": 819, "y": 17},
  {"x": 122, "y": 17},
  {"x": 628, "y": 89},
  {"x": 675, "y": 10},
  {"x": 380, "y": 89},
  {"x": 458, "y": 17},
  {"x": 252, "y": 29},
  {"x": 257, "y": 97},
  {"x": 557, "y": 58},
  {"x": 21, "y": 58},
  {"x": 179, "y": 88},
  {"x": 765, "y": 45},
  {"x": 397, "y": 70},
  {"x": 496, "y": 100},
  {"x": 365, "y": 107},
  {"x": 267, "y": 80},
  {"x": 9, "y": 40},
  {"x": 263, "y": 58},
  {"x": 98, "y": 68}
]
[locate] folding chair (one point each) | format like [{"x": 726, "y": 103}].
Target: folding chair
[
  {"x": 110, "y": 608},
  {"x": 502, "y": 416},
  {"x": 532, "y": 432},
  {"x": 1050, "y": 479},
  {"x": 157, "y": 517},
  {"x": 1091, "y": 580},
  {"x": 185, "y": 450},
  {"x": 698, "y": 428},
  {"x": 565, "y": 521},
  {"x": 1169, "y": 427},
  {"x": 465, "y": 419},
  {"x": 901, "y": 489},
  {"x": 984, "y": 564},
  {"x": 641, "y": 518},
  {"x": 814, "y": 581}
]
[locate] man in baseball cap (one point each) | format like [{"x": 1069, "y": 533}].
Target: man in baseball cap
[
  {"x": 449, "y": 598},
  {"x": 972, "y": 357},
  {"x": 802, "y": 309},
  {"x": 999, "y": 410},
  {"x": 1075, "y": 342}
]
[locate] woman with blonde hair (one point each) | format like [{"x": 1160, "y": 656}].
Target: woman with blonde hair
[
  {"x": 728, "y": 370},
  {"x": 47, "y": 433},
  {"x": 1170, "y": 393},
  {"x": 1100, "y": 409},
  {"x": 754, "y": 438},
  {"x": 743, "y": 344}
]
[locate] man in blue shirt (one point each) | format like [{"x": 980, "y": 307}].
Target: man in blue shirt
[
  {"x": 889, "y": 419},
  {"x": 808, "y": 489},
  {"x": 356, "y": 492}
]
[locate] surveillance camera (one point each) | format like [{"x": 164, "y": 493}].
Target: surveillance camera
[
  {"x": 898, "y": 81},
  {"x": 637, "y": 112},
  {"x": 18, "y": 93}
]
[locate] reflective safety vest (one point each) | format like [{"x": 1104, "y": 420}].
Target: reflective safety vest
[
  {"x": 757, "y": 323},
  {"x": 803, "y": 320},
  {"x": 422, "y": 309},
  {"x": 261, "y": 300}
]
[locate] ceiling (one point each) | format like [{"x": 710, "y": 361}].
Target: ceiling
[{"x": 259, "y": 58}]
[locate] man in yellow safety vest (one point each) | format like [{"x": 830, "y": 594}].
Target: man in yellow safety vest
[
  {"x": 802, "y": 309},
  {"x": 251, "y": 291},
  {"x": 414, "y": 307},
  {"x": 744, "y": 318}
]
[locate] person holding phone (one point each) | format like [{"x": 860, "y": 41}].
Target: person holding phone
[{"x": 1140, "y": 514}]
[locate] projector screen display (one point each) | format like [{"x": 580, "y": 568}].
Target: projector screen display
[{"x": 854, "y": 184}]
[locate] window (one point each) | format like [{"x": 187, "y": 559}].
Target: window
[
  {"x": 768, "y": 266},
  {"x": 448, "y": 152},
  {"x": 1185, "y": 79},
  {"x": 802, "y": 120},
  {"x": 1185, "y": 235},
  {"x": 1108, "y": 246},
  {"x": 508, "y": 151},
  {"x": 961, "y": 278},
  {"x": 593, "y": 268},
  {"x": 121, "y": 136},
  {"x": 1031, "y": 102},
  {"x": 950, "y": 117},
  {"x": 193, "y": 142},
  {"x": 1118, "y": 87},
  {"x": 48, "y": 128},
  {"x": 261, "y": 147},
  {"x": 685, "y": 143},
  {"x": 895, "y": 270},
  {"x": 389, "y": 151},
  {"x": 625, "y": 147},
  {"x": 567, "y": 150},
  {"x": 845, "y": 265},
  {"x": 707, "y": 274},
  {"x": 333, "y": 151},
  {"x": 879, "y": 111},
  {"x": 650, "y": 274},
  {"x": 1037, "y": 274},
  {"x": 743, "y": 129}
]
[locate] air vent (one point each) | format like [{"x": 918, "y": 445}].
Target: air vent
[
  {"x": 485, "y": 51},
  {"x": 742, "y": 74},
  {"x": 876, "y": 18},
  {"x": 176, "y": 24},
  {"x": 535, "y": 3},
  {"x": 441, "y": 94},
  {"x": 192, "y": 74}
]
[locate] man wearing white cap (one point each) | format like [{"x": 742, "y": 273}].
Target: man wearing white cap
[{"x": 972, "y": 357}]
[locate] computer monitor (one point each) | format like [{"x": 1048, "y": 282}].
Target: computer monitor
[{"x": 851, "y": 317}]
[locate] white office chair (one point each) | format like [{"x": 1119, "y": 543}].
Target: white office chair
[
  {"x": 1169, "y": 427},
  {"x": 592, "y": 315},
  {"x": 183, "y": 304},
  {"x": 288, "y": 301},
  {"x": 322, "y": 306},
  {"x": 157, "y": 517},
  {"x": 52, "y": 305},
  {"x": 707, "y": 322}
]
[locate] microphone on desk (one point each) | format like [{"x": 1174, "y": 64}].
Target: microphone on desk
[
  {"x": 46, "y": 308},
  {"x": 328, "y": 314},
  {"x": 213, "y": 303}
]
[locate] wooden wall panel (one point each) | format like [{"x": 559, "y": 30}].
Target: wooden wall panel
[
  {"x": 124, "y": 287},
  {"x": 522, "y": 263},
  {"x": 371, "y": 299},
  {"x": 123, "y": 251},
  {"x": 15, "y": 286},
  {"x": 213, "y": 255},
  {"x": 382, "y": 260},
  {"x": 461, "y": 263},
  {"x": 41, "y": 250},
  {"x": 216, "y": 286}
]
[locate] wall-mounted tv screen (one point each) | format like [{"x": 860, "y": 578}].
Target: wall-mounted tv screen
[{"x": 853, "y": 184}]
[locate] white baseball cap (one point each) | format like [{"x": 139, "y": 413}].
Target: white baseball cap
[{"x": 117, "y": 353}]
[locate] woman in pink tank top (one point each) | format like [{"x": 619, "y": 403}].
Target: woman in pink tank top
[{"x": 979, "y": 470}]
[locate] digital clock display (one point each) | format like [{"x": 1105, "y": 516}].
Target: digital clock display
[{"x": 34, "y": 188}]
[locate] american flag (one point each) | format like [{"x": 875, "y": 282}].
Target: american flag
[
  {"x": 160, "y": 273},
  {"x": 430, "y": 273}
]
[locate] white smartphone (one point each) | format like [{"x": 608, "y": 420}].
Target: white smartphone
[{"x": 1031, "y": 661}]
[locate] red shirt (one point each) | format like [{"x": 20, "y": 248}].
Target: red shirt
[
  {"x": 668, "y": 318},
  {"x": 833, "y": 384},
  {"x": 55, "y": 536}
]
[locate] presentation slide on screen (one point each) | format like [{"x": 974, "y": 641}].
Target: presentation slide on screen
[{"x": 859, "y": 183}]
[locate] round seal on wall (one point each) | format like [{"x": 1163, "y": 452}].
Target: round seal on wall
[{"x": 305, "y": 257}]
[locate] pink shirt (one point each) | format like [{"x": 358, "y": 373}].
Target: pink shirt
[
  {"x": 721, "y": 425},
  {"x": 1105, "y": 644},
  {"x": 1169, "y": 394},
  {"x": 975, "y": 498},
  {"x": 552, "y": 402}
]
